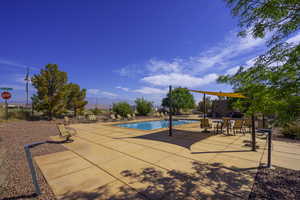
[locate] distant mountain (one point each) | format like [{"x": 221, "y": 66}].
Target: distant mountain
[{"x": 104, "y": 102}]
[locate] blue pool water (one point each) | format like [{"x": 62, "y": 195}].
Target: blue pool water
[{"x": 150, "y": 125}]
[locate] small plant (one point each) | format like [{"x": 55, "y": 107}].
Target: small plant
[
  {"x": 122, "y": 108},
  {"x": 292, "y": 130}
]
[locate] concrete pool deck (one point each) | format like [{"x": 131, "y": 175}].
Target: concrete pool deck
[{"x": 107, "y": 162}]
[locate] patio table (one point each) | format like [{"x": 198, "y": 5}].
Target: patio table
[{"x": 220, "y": 121}]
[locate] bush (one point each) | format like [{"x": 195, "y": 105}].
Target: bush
[
  {"x": 96, "y": 111},
  {"x": 292, "y": 130},
  {"x": 122, "y": 108},
  {"x": 143, "y": 107}
]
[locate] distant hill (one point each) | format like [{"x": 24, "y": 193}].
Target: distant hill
[{"x": 102, "y": 102}]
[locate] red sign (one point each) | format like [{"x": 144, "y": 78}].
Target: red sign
[{"x": 5, "y": 95}]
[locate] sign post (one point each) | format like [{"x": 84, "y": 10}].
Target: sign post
[{"x": 6, "y": 95}]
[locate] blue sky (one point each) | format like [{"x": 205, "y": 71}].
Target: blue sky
[{"x": 123, "y": 49}]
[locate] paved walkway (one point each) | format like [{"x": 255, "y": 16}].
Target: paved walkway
[{"x": 105, "y": 162}]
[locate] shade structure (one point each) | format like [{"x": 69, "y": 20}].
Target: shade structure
[{"x": 222, "y": 94}]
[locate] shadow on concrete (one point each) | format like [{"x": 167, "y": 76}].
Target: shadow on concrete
[
  {"x": 205, "y": 181},
  {"x": 204, "y": 152},
  {"x": 181, "y": 138}
]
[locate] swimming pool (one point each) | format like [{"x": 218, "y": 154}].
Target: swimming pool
[{"x": 151, "y": 125}]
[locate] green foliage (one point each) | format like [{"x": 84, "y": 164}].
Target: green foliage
[
  {"x": 143, "y": 106},
  {"x": 96, "y": 111},
  {"x": 54, "y": 95},
  {"x": 208, "y": 104},
  {"x": 75, "y": 98},
  {"x": 272, "y": 83},
  {"x": 258, "y": 17},
  {"x": 51, "y": 90},
  {"x": 271, "y": 89},
  {"x": 181, "y": 99},
  {"x": 292, "y": 130},
  {"x": 122, "y": 108}
]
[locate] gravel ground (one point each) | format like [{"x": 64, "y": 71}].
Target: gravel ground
[
  {"x": 276, "y": 184},
  {"x": 14, "y": 135}
]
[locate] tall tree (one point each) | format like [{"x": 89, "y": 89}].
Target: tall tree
[
  {"x": 50, "y": 85},
  {"x": 75, "y": 98},
  {"x": 260, "y": 17},
  {"x": 181, "y": 99},
  {"x": 272, "y": 83}
]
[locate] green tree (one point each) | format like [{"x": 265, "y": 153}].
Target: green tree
[
  {"x": 143, "y": 106},
  {"x": 272, "y": 83},
  {"x": 208, "y": 104},
  {"x": 181, "y": 99},
  {"x": 96, "y": 111},
  {"x": 75, "y": 98},
  {"x": 122, "y": 108},
  {"x": 260, "y": 17},
  {"x": 50, "y": 84}
]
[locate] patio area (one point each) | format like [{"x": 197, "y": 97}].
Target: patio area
[{"x": 107, "y": 162}]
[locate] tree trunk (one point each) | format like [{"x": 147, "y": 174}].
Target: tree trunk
[{"x": 75, "y": 112}]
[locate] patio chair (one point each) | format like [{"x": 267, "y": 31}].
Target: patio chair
[
  {"x": 205, "y": 123},
  {"x": 133, "y": 115},
  {"x": 66, "y": 132},
  {"x": 119, "y": 117},
  {"x": 239, "y": 125},
  {"x": 92, "y": 118},
  {"x": 129, "y": 117},
  {"x": 226, "y": 124},
  {"x": 66, "y": 120},
  {"x": 112, "y": 117},
  {"x": 248, "y": 124}
]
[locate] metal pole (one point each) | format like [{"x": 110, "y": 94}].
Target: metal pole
[
  {"x": 32, "y": 169},
  {"x": 269, "y": 149},
  {"x": 6, "y": 109},
  {"x": 170, "y": 111},
  {"x": 204, "y": 106},
  {"x": 253, "y": 133}
]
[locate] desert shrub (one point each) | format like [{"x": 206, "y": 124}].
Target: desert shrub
[
  {"x": 19, "y": 114},
  {"x": 122, "y": 108},
  {"x": 96, "y": 111},
  {"x": 292, "y": 130},
  {"x": 143, "y": 106}
]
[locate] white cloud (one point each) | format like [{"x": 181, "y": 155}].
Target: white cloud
[
  {"x": 295, "y": 39},
  {"x": 15, "y": 64},
  {"x": 109, "y": 94},
  {"x": 232, "y": 71},
  {"x": 249, "y": 63},
  {"x": 151, "y": 90},
  {"x": 129, "y": 71},
  {"x": 93, "y": 91},
  {"x": 183, "y": 80},
  {"x": 155, "y": 65},
  {"x": 123, "y": 88}
]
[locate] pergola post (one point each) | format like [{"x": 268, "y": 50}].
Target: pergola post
[
  {"x": 170, "y": 111},
  {"x": 204, "y": 106},
  {"x": 253, "y": 133}
]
